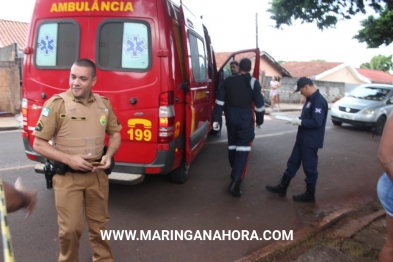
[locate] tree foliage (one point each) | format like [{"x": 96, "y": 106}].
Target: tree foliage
[
  {"x": 377, "y": 31},
  {"x": 379, "y": 62},
  {"x": 326, "y": 14}
]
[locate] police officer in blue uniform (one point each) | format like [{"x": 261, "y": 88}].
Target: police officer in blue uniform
[
  {"x": 236, "y": 96},
  {"x": 309, "y": 139}
]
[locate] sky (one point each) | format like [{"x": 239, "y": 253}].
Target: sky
[{"x": 232, "y": 27}]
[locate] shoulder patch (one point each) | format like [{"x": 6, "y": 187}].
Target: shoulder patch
[
  {"x": 45, "y": 111},
  {"x": 104, "y": 97},
  {"x": 39, "y": 126}
]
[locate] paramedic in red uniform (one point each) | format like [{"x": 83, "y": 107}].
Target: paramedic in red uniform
[
  {"x": 236, "y": 96},
  {"x": 76, "y": 122}
]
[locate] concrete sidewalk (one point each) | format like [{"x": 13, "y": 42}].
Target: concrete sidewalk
[{"x": 10, "y": 122}]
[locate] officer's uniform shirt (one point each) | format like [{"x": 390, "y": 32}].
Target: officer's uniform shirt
[
  {"x": 54, "y": 111},
  {"x": 311, "y": 133},
  {"x": 236, "y": 92}
]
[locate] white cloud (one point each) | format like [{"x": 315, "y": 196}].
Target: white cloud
[{"x": 17, "y": 10}]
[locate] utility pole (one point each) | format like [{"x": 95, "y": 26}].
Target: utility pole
[{"x": 256, "y": 28}]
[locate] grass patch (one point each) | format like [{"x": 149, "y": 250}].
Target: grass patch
[
  {"x": 292, "y": 252},
  {"x": 354, "y": 248},
  {"x": 349, "y": 246}
]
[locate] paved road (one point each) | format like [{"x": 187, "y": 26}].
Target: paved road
[{"x": 348, "y": 169}]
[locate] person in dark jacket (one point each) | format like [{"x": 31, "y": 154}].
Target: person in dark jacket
[
  {"x": 234, "y": 65},
  {"x": 309, "y": 139},
  {"x": 236, "y": 96}
]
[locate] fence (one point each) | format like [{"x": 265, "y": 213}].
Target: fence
[{"x": 330, "y": 90}]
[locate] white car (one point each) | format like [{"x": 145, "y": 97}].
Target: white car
[{"x": 366, "y": 105}]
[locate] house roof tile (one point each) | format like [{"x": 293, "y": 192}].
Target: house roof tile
[
  {"x": 309, "y": 69},
  {"x": 13, "y": 32},
  {"x": 376, "y": 76}
]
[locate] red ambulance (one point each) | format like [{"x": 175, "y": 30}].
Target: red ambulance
[{"x": 155, "y": 63}]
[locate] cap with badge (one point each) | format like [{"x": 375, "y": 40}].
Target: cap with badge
[{"x": 303, "y": 81}]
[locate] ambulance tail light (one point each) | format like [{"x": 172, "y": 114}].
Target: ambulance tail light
[
  {"x": 166, "y": 117},
  {"x": 24, "y": 106}
]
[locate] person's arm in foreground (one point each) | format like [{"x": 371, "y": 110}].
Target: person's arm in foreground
[
  {"x": 17, "y": 197},
  {"x": 385, "y": 152}
]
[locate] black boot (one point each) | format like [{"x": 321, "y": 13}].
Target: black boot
[
  {"x": 308, "y": 196},
  {"x": 281, "y": 188},
  {"x": 234, "y": 187}
]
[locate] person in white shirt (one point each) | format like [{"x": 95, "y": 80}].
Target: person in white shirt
[{"x": 273, "y": 91}]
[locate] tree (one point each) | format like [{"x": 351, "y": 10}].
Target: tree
[
  {"x": 326, "y": 13},
  {"x": 379, "y": 62},
  {"x": 377, "y": 31}
]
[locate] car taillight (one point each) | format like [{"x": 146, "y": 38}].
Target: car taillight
[{"x": 166, "y": 117}]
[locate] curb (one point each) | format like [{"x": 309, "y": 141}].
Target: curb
[
  {"x": 299, "y": 236},
  {"x": 349, "y": 230},
  {"x": 8, "y": 128},
  {"x": 269, "y": 112}
]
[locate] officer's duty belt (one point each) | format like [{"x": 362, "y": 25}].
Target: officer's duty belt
[
  {"x": 70, "y": 170},
  {"x": 61, "y": 168}
]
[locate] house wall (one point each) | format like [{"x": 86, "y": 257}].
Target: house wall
[
  {"x": 343, "y": 75},
  {"x": 268, "y": 68},
  {"x": 330, "y": 90},
  {"x": 9, "y": 81}
]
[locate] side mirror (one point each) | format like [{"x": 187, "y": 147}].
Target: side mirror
[{"x": 390, "y": 101}]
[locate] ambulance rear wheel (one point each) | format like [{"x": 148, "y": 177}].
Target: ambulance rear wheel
[{"x": 180, "y": 175}]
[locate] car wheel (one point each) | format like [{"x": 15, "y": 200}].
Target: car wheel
[
  {"x": 380, "y": 125},
  {"x": 181, "y": 174},
  {"x": 336, "y": 123}
]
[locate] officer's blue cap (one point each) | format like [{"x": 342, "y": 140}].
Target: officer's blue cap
[{"x": 303, "y": 81}]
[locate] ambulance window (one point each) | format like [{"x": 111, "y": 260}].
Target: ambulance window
[
  {"x": 57, "y": 45},
  {"x": 198, "y": 58},
  {"x": 124, "y": 46}
]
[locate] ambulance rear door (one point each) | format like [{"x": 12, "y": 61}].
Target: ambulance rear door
[
  {"x": 197, "y": 120},
  {"x": 253, "y": 54}
]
